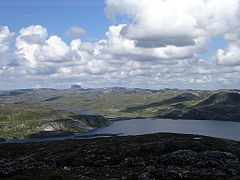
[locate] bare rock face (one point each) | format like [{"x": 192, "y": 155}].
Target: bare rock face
[
  {"x": 79, "y": 123},
  {"x": 67, "y": 124}
]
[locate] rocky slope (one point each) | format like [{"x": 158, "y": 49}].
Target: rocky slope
[
  {"x": 145, "y": 157},
  {"x": 27, "y": 120},
  {"x": 75, "y": 124}
]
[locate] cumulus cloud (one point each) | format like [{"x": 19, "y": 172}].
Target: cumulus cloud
[
  {"x": 5, "y": 41},
  {"x": 34, "y": 34},
  {"x": 158, "y": 47},
  {"x": 160, "y": 23},
  {"x": 34, "y": 48},
  {"x": 230, "y": 56},
  {"x": 75, "y": 31},
  {"x": 53, "y": 49},
  {"x": 157, "y": 23},
  {"x": 81, "y": 51},
  {"x": 30, "y": 39}
]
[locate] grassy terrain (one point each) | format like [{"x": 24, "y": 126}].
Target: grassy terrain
[
  {"x": 27, "y": 112},
  {"x": 21, "y": 121},
  {"x": 111, "y": 103},
  {"x": 129, "y": 103}
]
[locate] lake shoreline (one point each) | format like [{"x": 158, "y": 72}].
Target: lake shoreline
[{"x": 211, "y": 128}]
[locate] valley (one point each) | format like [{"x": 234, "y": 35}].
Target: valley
[{"x": 28, "y": 113}]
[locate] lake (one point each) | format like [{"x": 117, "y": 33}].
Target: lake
[{"x": 219, "y": 129}]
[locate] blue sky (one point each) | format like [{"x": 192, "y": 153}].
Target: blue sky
[
  {"x": 56, "y": 15},
  {"x": 147, "y": 44},
  {"x": 215, "y": 44}
]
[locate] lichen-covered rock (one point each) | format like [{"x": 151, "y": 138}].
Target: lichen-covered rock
[
  {"x": 183, "y": 163},
  {"x": 146, "y": 157},
  {"x": 180, "y": 157}
]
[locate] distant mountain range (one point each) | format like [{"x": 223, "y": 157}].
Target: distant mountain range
[
  {"x": 120, "y": 102},
  {"x": 34, "y": 112},
  {"x": 77, "y": 87}
]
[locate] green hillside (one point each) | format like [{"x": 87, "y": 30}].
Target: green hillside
[
  {"x": 25, "y": 120},
  {"x": 27, "y": 112}
]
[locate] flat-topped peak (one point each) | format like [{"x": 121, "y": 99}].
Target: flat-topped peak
[{"x": 75, "y": 86}]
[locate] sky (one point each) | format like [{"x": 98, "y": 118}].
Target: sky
[{"x": 131, "y": 43}]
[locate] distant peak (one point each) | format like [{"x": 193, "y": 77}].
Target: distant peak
[{"x": 75, "y": 86}]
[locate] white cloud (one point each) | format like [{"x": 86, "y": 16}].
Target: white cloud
[
  {"x": 80, "y": 51},
  {"x": 36, "y": 51},
  {"x": 34, "y": 34},
  {"x": 230, "y": 56},
  {"x": 53, "y": 49},
  {"x": 159, "y": 23},
  {"x": 159, "y": 47},
  {"x": 5, "y": 41},
  {"x": 30, "y": 39},
  {"x": 75, "y": 31}
]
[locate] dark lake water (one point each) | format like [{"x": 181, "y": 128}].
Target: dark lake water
[{"x": 219, "y": 129}]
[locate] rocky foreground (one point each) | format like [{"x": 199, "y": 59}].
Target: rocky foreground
[{"x": 145, "y": 157}]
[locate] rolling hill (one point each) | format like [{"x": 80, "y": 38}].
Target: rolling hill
[{"x": 37, "y": 108}]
